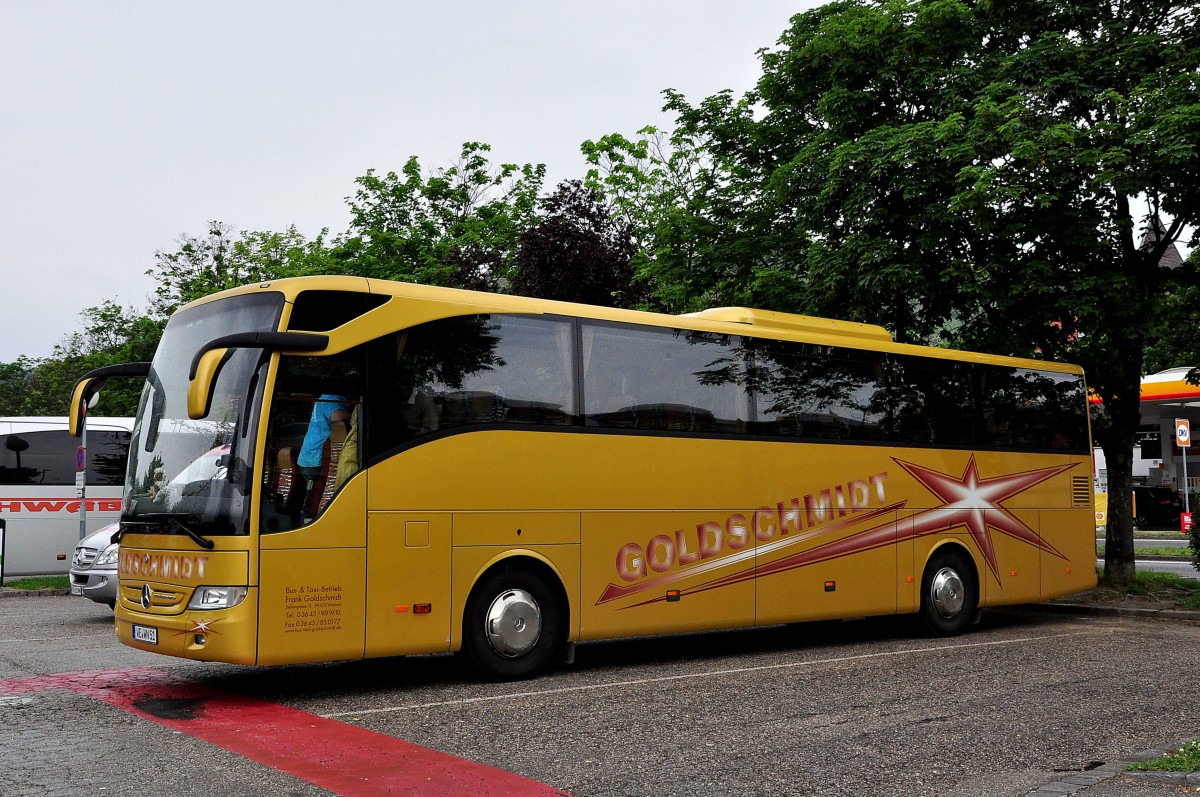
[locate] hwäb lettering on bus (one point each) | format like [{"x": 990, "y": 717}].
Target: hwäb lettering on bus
[{"x": 363, "y": 468}]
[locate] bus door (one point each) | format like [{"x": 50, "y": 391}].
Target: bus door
[{"x": 312, "y": 515}]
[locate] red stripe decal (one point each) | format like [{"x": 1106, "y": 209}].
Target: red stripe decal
[{"x": 342, "y": 758}]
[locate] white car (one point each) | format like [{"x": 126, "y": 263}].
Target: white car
[{"x": 94, "y": 567}]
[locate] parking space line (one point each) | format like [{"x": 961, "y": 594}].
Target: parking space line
[
  {"x": 341, "y": 758},
  {"x": 699, "y": 674}
]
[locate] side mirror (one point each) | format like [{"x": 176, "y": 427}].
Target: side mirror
[
  {"x": 203, "y": 378},
  {"x": 87, "y": 390},
  {"x": 208, "y": 362}
]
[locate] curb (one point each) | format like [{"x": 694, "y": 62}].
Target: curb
[
  {"x": 1184, "y": 615},
  {"x": 1072, "y": 784},
  {"x": 12, "y": 592}
]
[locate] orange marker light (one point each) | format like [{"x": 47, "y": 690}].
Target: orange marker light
[
  {"x": 672, "y": 595},
  {"x": 401, "y": 609}
]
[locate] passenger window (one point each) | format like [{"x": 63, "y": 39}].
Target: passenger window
[
  {"x": 933, "y": 402},
  {"x": 1032, "y": 409},
  {"x": 823, "y": 392},
  {"x": 469, "y": 371},
  {"x": 49, "y": 458},
  {"x": 662, "y": 380},
  {"x": 313, "y": 437}
]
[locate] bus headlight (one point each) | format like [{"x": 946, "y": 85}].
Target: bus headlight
[
  {"x": 217, "y": 597},
  {"x": 108, "y": 556}
]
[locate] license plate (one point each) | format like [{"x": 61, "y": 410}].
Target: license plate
[
  {"x": 145, "y": 633},
  {"x": 76, "y": 589}
]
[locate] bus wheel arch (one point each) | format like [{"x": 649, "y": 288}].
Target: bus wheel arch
[
  {"x": 949, "y": 591},
  {"x": 514, "y": 623}
]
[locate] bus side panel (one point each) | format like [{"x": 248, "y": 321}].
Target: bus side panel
[
  {"x": 1072, "y": 532},
  {"x": 43, "y": 524},
  {"x": 1018, "y": 574},
  {"x": 311, "y": 605},
  {"x": 908, "y": 574},
  {"x": 825, "y": 577},
  {"x": 408, "y": 564},
  {"x": 634, "y": 561}
]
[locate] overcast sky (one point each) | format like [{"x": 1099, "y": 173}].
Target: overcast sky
[{"x": 126, "y": 124}]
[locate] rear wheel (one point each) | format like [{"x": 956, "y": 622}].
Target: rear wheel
[
  {"x": 949, "y": 594},
  {"x": 513, "y": 625}
]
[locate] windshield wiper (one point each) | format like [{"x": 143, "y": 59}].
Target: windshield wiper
[{"x": 172, "y": 521}]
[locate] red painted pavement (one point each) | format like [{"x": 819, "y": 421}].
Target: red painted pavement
[{"x": 341, "y": 758}]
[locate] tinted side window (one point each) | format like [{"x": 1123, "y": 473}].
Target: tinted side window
[
  {"x": 49, "y": 458},
  {"x": 662, "y": 380},
  {"x": 468, "y": 371},
  {"x": 812, "y": 391},
  {"x": 1023, "y": 408},
  {"x": 108, "y": 454},
  {"x": 932, "y": 402}
]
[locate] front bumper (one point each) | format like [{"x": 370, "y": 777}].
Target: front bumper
[{"x": 98, "y": 585}]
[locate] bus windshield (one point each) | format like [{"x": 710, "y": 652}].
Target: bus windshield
[{"x": 195, "y": 473}]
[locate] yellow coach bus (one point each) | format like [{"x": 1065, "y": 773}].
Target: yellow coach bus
[{"x": 334, "y": 468}]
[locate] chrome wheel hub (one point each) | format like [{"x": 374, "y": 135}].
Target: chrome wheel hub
[
  {"x": 513, "y": 623},
  {"x": 947, "y": 592}
]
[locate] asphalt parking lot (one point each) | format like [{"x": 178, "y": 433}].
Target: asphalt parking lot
[{"x": 867, "y": 708}]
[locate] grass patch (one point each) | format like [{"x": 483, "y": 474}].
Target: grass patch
[
  {"x": 39, "y": 582},
  {"x": 1186, "y": 759},
  {"x": 1181, "y": 553},
  {"x": 1165, "y": 589}
]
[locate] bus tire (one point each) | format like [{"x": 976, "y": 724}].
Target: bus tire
[
  {"x": 513, "y": 625},
  {"x": 949, "y": 594}
]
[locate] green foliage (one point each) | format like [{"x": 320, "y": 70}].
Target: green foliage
[
  {"x": 221, "y": 259},
  {"x": 688, "y": 206},
  {"x": 39, "y": 582},
  {"x": 577, "y": 252},
  {"x": 111, "y": 334},
  {"x": 1165, "y": 590},
  {"x": 1185, "y": 759},
  {"x": 459, "y": 225}
]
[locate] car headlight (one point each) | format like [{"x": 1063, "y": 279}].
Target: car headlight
[
  {"x": 217, "y": 597},
  {"x": 108, "y": 556}
]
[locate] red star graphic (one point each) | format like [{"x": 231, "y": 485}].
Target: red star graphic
[{"x": 975, "y": 503}]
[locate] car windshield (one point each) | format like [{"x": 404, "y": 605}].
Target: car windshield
[{"x": 197, "y": 471}]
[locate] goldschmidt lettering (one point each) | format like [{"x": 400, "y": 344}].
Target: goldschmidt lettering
[{"x": 711, "y": 538}]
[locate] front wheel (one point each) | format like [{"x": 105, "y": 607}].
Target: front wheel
[
  {"x": 949, "y": 594},
  {"x": 513, "y": 625}
]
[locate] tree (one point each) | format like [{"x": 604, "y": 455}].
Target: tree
[
  {"x": 1174, "y": 341},
  {"x": 981, "y": 173},
  {"x": 459, "y": 225},
  {"x": 221, "y": 259},
  {"x": 111, "y": 334},
  {"x": 689, "y": 207},
  {"x": 577, "y": 253}
]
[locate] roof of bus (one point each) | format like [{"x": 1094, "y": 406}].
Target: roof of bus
[
  {"x": 16, "y": 424},
  {"x": 728, "y": 320}
]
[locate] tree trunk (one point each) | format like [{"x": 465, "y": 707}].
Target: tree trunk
[
  {"x": 1119, "y": 567},
  {"x": 1124, "y": 414}
]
